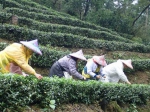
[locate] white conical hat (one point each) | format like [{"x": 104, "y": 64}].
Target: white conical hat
[
  {"x": 100, "y": 60},
  {"x": 79, "y": 55},
  {"x": 33, "y": 45},
  {"x": 127, "y": 63}
]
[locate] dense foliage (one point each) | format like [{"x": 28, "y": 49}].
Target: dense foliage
[
  {"x": 55, "y": 29},
  {"x": 124, "y": 16},
  {"x": 18, "y": 91},
  {"x": 51, "y": 55},
  {"x": 17, "y": 33}
]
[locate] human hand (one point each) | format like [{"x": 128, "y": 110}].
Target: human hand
[
  {"x": 104, "y": 76},
  {"x": 128, "y": 82},
  {"x": 39, "y": 76},
  {"x": 84, "y": 78},
  {"x": 24, "y": 74},
  {"x": 98, "y": 76}
]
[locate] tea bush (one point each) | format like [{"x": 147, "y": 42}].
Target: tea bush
[
  {"x": 16, "y": 33},
  {"x": 18, "y": 91},
  {"x": 51, "y": 55},
  {"x": 53, "y": 19}
]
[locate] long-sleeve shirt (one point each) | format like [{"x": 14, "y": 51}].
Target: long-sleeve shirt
[
  {"x": 92, "y": 68},
  {"x": 19, "y": 55},
  {"x": 69, "y": 64},
  {"x": 114, "y": 72}
]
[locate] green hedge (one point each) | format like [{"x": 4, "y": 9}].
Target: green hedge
[
  {"x": 48, "y": 27},
  {"x": 35, "y": 4},
  {"x": 44, "y": 10},
  {"x": 18, "y": 91},
  {"x": 51, "y": 55},
  {"x": 16, "y": 33},
  {"x": 23, "y": 2},
  {"x": 56, "y": 19},
  {"x": 47, "y": 59},
  {"x": 28, "y": 5}
]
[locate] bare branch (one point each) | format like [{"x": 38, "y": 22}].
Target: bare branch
[{"x": 140, "y": 14}]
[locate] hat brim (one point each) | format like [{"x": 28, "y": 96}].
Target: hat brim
[
  {"x": 127, "y": 64},
  {"x": 82, "y": 58},
  {"x": 100, "y": 60},
  {"x": 31, "y": 47},
  {"x": 103, "y": 63}
]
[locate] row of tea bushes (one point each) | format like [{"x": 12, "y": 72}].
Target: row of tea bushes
[
  {"x": 18, "y": 91},
  {"x": 51, "y": 55},
  {"x": 30, "y": 7},
  {"x": 55, "y": 19},
  {"x": 16, "y": 33},
  {"x": 24, "y": 2},
  {"x": 48, "y": 27},
  {"x": 5, "y": 17}
]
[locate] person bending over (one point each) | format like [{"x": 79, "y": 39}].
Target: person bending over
[
  {"x": 14, "y": 58},
  {"x": 68, "y": 64},
  {"x": 114, "y": 71}
]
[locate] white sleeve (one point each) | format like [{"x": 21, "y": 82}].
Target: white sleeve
[
  {"x": 121, "y": 74},
  {"x": 89, "y": 66}
]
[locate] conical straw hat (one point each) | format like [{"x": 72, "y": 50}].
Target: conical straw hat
[
  {"x": 79, "y": 55},
  {"x": 127, "y": 63},
  {"x": 33, "y": 45},
  {"x": 100, "y": 60}
]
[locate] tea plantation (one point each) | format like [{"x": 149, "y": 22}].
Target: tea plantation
[{"x": 59, "y": 34}]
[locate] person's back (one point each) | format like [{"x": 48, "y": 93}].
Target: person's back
[
  {"x": 13, "y": 47},
  {"x": 14, "y": 50},
  {"x": 64, "y": 62},
  {"x": 114, "y": 71},
  {"x": 18, "y": 54},
  {"x": 7, "y": 55},
  {"x": 67, "y": 64},
  {"x": 92, "y": 69}
]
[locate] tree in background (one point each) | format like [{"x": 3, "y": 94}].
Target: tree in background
[
  {"x": 141, "y": 22},
  {"x": 113, "y": 14},
  {"x": 124, "y": 16}
]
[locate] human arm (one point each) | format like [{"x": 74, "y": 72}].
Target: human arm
[
  {"x": 73, "y": 70},
  {"x": 128, "y": 82},
  {"x": 122, "y": 75},
  {"x": 91, "y": 66},
  {"x": 101, "y": 72},
  {"x": 28, "y": 69},
  {"x": 17, "y": 54},
  {"x": 20, "y": 60}
]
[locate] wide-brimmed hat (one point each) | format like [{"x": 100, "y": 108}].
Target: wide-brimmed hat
[
  {"x": 33, "y": 45},
  {"x": 128, "y": 63},
  {"x": 79, "y": 55},
  {"x": 100, "y": 60}
]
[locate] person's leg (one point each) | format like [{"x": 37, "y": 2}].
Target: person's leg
[
  {"x": 15, "y": 69},
  {"x": 24, "y": 74},
  {"x": 56, "y": 70},
  {"x": 67, "y": 75}
]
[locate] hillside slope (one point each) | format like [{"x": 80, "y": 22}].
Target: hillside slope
[{"x": 60, "y": 34}]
